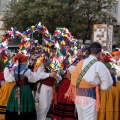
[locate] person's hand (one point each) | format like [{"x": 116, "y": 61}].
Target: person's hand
[
  {"x": 53, "y": 74},
  {"x": 35, "y": 69}
]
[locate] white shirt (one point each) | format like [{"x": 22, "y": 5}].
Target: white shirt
[
  {"x": 39, "y": 75},
  {"x": 43, "y": 75},
  {"x": 36, "y": 76},
  {"x": 98, "y": 74},
  {"x": 8, "y": 76}
]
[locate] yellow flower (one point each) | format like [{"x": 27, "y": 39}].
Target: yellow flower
[
  {"x": 63, "y": 42},
  {"x": 39, "y": 61},
  {"x": 33, "y": 27},
  {"x": 52, "y": 65}
]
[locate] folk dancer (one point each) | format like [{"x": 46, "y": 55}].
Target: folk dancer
[
  {"x": 21, "y": 104},
  {"x": 51, "y": 64},
  {"x": 85, "y": 79}
]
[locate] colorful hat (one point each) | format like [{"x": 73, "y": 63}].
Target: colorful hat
[{"x": 105, "y": 56}]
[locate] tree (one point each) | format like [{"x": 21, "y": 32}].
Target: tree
[
  {"x": 16, "y": 15},
  {"x": 51, "y": 13},
  {"x": 92, "y": 12},
  {"x": 78, "y": 17}
]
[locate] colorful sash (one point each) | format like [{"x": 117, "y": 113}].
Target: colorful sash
[
  {"x": 84, "y": 71},
  {"x": 81, "y": 83}
]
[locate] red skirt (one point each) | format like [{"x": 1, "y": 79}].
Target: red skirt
[{"x": 64, "y": 109}]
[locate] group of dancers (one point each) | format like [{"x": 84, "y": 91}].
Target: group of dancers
[{"x": 74, "y": 86}]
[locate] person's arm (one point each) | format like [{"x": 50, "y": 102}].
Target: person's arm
[
  {"x": 8, "y": 76},
  {"x": 39, "y": 75},
  {"x": 34, "y": 77},
  {"x": 105, "y": 77}
]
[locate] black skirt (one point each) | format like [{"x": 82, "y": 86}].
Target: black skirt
[{"x": 23, "y": 116}]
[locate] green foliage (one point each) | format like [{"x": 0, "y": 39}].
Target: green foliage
[
  {"x": 79, "y": 18},
  {"x": 92, "y": 12},
  {"x": 17, "y": 15}
]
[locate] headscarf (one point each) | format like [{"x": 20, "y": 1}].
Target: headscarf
[
  {"x": 105, "y": 56},
  {"x": 20, "y": 57}
]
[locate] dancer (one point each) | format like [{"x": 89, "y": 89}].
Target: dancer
[
  {"x": 21, "y": 105},
  {"x": 46, "y": 90},
  {"x": 64, "y": 109},
  {"x": 7, "y": 87},
  {"x": 85, "y": 78},
  {"x": 109, "y": 99},
  {"x": 32, "y": 67}
]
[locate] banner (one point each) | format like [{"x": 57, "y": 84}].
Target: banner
[{"x": 103, "y": 34}]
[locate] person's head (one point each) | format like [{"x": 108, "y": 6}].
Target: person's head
[
  {"x": 95, "y": 49},
  {"x": 22, "y": 58},
  {"x": 79, "y": 52},
  {"x": 105, "y": 56},
  {"x": 70, "y": 52},
  {"x": 34, "y": 59},
  {"x": 53, "y": 51},
  {"x": 116, "y": 54}
]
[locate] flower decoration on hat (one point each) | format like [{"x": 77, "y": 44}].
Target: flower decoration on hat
[
  {"x": 105, "y": 56},
  {"x": 6, "y": 58}
]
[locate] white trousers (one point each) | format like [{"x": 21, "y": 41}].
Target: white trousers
[
  {"x": 45, "y": 97},
  {"x": 86, "y": 111}
]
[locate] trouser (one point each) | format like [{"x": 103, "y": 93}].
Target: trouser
[
  {"x": 86, "y": 111},
  {"x": 45, "y": 97}
]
